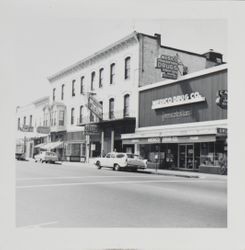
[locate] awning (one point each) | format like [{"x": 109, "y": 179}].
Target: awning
[
  {"x": 52, "y": 145},
  {"x": 29, "y": 135},
  {"x": 40, "y": 145},
  {"x": 171, "y": 139}
]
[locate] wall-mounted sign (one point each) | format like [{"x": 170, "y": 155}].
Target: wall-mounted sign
[
  {"x": 168, "y": 65},
  {"x": 26, "y": 128},
  {"x": 178, "y": 100},
  {"x": 91, "y": 129},
  {"x": 221, "y": 98},
  {"x": 177, "y": 114},
  {"x": 43, "y": 130},
  {"x": 95, "y": 107},
  {"x": 222, "y": 131}
]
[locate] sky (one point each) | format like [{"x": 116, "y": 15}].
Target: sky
[{"x": 46, "y": 42}]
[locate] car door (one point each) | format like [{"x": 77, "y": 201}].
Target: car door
[
  {"x": 106, "y": 160},
  {"x": 112, "y": 160}
]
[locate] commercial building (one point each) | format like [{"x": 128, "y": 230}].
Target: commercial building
[
  {"x": 30, "y": 131},
  {"x": 182, "y": 122},
  {"x": 95, "y": 101}
]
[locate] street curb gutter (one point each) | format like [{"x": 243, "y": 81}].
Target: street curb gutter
[{"x": 177, "y": 175}]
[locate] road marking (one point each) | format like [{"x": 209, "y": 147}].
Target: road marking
[
  {"x": 41, "y": 224},
  {"x": 112, "y": 182},
  {"x": 82, "y": 177}
]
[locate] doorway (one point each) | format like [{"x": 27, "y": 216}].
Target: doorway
[{"x": 186, "y": 156}]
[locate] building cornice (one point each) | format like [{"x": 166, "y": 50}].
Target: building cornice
[
  {"x": 196, "y": 74},
  {"x": 125, "y": 42}
]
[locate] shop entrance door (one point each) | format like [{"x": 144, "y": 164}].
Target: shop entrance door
[{"x": 186, "y": 156}]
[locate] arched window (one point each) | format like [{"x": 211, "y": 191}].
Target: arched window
[
  {"x": 72, "y": 116},
  {"x": 81, "y": 115},
  {"x": 73, "y": 87},
  {"x": 101, "y": 76},
  {"x": 127, "y": 68},
  {"x": 126, "y": 106},
  {"x": 62, "y": 91},
  {"x": 54, "y": 94},
  {"x": 111, "y": 109},
  {"x": 82, "y": 85},
  {"x": 92, "y": 80},
  {"x": 112, "y": 73}
]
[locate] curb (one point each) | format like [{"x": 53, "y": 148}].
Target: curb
[{"x": 177, "y": 175}]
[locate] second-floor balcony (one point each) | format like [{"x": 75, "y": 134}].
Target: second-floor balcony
[{"x": 109, "y": 116}]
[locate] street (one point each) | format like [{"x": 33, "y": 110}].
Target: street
[{"x": 53, "y": 195}]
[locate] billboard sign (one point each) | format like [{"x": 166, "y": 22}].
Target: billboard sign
[
  {"x": 169, "y": 66},
  {"x": 95, "y": 107}
]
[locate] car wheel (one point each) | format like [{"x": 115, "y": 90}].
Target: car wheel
[
  {"x": 117, "y": 167},
  {"x": 98, "y": 165}
]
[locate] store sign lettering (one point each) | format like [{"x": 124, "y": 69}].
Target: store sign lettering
[
  {"x": 154, "y": 140},
  {"x": 177, "y": 114},
  {"x": 168, "y": 65},
  {"x": 193, "y": 97}
]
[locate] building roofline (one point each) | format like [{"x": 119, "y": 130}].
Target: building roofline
[
  {"x": 179, "y": 50},
  {"x": 192, "y": 75},
  {"x": 78, "y": 64},
  {"x": 41, "y": 99}
]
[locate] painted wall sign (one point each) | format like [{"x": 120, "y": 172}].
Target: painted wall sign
[
  {"x": 95, "y": 107},
  {"x": 43, "y": 130},
  {"x": 221, "y": 98},
  {"x": 177, "y": 114},
  {"x": 168, "y": 65},
  {"x": 178, "y": 100}
]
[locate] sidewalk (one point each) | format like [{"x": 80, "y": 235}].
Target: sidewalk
[{"x": 166, "y": 172}]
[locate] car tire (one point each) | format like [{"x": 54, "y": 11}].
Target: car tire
[
  {"x": 98, "y": 165},
  {"x": 117, "y": 167}
]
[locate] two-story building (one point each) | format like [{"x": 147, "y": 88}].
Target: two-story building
[{"x": 30, "y": 126}]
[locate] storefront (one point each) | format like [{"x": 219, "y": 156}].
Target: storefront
[{"x": 182, "y": 124}]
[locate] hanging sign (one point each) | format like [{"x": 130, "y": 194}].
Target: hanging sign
[
  {"x": 95, "y": 107},
  {"x": 168, "y": 65},
  {"x": 221, "y": 98}
]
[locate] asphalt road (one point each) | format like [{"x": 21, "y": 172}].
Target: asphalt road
[{"x": 51, "y": 195}]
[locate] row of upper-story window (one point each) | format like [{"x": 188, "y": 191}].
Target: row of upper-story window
[
  {"x": 127, "y": 63},
  {"x": 24, "y": 121},
  {"x": 111, "y": 114}
]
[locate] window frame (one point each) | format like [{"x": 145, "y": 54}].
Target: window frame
[
  {"x": 73, "y": 87},
  {"x": 111, "y": 108},
  {"x": 92, "y": 80},
  {"x": 82, "y": 85},
  {"x": 62, "y": 91},
  {"x": 112, "y": 73},
  {"x": 101, "y": 77},
  {"x": 72, "y": 115},
  {"x": 127, "y": 64}
]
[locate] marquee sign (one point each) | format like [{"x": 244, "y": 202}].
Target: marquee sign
[
  {"x": 95, "y": 107},
  {"x": 193, "y": 97},
  {"x": 168, "y": 65}
]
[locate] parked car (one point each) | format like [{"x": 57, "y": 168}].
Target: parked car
[
  {"x": 117, "y": 161},
  {"x": 46, "y": 156}
]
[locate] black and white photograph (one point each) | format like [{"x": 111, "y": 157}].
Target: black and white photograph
[{"x": 124, "y": 124}]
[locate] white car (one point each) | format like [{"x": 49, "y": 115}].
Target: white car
[
  {"x": 46, "y": 156},
  {"x": 117, "y": 161}
]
